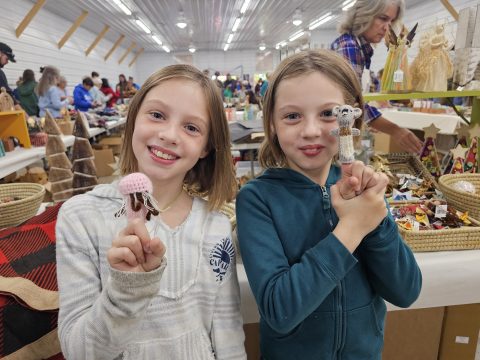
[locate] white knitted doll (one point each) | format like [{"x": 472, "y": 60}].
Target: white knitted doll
[{"x": 346, "y": 116}]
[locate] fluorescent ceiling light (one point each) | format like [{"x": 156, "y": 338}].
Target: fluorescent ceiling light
[
  {"x": 165, "y": 47},
  {"x": 320, "y": 21},
  {"x": 236, "y": 23},
  {"x": 296, "y": 35},
  {"x": 347, "y": 4},
  {"x": 244, "y": 6},
  {"x": 123, "y": 7},
  {"x": 157, "y": 40},
  {"x": 262, "y": 47},
  {"x": 297, "y": 17},
  {"x": 142, "y": 26},
  {"x": 191, "y": 49},
  {"x": 226, "y": 47},
  {"x": 181, "y": 21},
  {"x": 230, "y": 38}
]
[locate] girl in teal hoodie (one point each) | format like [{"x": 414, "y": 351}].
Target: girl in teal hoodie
[{"x": 320, "y": 250}]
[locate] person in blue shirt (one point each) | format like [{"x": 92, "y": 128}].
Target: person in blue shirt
[
  {"x": 133, "y": 84},
  {"x": 49, "y": 95},
  {"x": 320, "y": 249},
  {"x": 264, "y": 87},
  {"x": 82, "y": 98},
  {"x": 365, "y": 23}
]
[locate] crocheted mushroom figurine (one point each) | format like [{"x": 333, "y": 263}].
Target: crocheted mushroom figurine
[
  {"x": 346, "y": 116},
  {"x": 138, "y": 201}
]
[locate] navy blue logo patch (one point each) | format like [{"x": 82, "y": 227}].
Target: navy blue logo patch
[{"x": 221, "y": 257}]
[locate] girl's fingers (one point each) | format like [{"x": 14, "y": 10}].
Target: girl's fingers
[
  {"x": 137, "y": 227},
  {"x": 117, "y": 256},
  {"x": 133, "y": 243}
]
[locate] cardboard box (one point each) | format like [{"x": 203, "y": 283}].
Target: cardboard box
[
  {"x": 113, "y": 142},
  {"x": 413, "y": 334},
  {"x": 460, "y": 332},
  {"x": 103, "y": 157}
]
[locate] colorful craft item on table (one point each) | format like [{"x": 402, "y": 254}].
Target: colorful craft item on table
[
  {"x": 428, "y": 154},
  {"x": 458, "y": 154},
  {"x": 462, "y": 139},
  {"x": 471, "y": 162},
  {"x": 428, "y": 215},
  {"x": 136, "y": 189},
  {"x": 346, "y": 116}
]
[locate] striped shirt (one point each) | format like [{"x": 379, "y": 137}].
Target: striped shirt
[
  {"x": 188, "y": 308},
  {"x": 359, "y": 54}
]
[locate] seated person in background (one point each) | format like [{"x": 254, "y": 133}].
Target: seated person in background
[
  {"x": 49, "y": 95},
  {"x": 62, "y": 86},
  {"x": 98, "y": 96},
  {"x": 26, "y": 93},
  {"x": 81, "y": 95},
  {"x": 107, "y": 90},
  {"x": 134, "y": 84}
]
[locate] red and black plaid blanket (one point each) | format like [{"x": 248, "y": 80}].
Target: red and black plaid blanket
[{"x": 28, "y": 289}]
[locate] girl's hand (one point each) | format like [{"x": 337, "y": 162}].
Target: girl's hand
[
  {"x": 133, "y": 250},
  {"x": 356, "y": 177},
  {"x": 360, "y": 215}
]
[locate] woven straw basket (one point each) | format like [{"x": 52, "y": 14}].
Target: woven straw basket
[
  {"x": 461, "y": 200},
  {"x": 465, "y": 238},
  {"x": 16, "y": 212},
  {"x": 408, "y": 164}
]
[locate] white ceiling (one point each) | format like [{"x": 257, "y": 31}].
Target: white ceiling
[{"x": 209, "y": 21}]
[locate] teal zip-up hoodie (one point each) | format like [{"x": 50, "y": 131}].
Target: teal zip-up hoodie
[{"x": 316, "y": 299}]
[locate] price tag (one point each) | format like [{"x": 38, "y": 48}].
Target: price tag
[
  {"x": 440, "y": 211},
  {"x": 398, "y": 76}
]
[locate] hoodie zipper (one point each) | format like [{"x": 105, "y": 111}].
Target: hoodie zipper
[{"x": 339, "y": 333}]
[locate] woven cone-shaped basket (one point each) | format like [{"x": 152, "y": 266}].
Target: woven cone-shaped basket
[
  {"x": 15, "y": 212},
  {"x": 462, "y": 200}
]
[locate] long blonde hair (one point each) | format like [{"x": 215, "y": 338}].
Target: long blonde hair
[
  {"x": 50, "y": 76},
  {"x": 327, "y": 62},
  {"x": 360, "y": 16},
  {"x": 213, "y": 175}
]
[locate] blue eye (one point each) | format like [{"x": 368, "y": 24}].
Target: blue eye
[
  {"x": 157, "y": 115},
  {"x": 292, "y": 116},
  {"x": 327, "y": 113},
  {"x": 192, "y": 128}
]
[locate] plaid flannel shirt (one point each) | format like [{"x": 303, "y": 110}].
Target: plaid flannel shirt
[{"x": 359, "y": 54}]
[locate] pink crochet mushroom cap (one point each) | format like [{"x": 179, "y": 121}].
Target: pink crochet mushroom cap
[{"x": 135, "y": 183}]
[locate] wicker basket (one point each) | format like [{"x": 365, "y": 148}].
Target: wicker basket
[
  {"x": 18, "y": 211},
  {"x": 461, "y": 200},
  {"x": 464, "y": 238},
  {"x": 406, "y": 163}
]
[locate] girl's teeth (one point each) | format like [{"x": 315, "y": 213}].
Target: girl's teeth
[{"x": 162, "y": 155}]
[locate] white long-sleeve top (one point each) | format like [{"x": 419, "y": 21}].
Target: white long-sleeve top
[{"x": 188, "y": 308}]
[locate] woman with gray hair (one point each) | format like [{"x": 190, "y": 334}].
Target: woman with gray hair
[
  {"x": 49, "y": 96},
  {"x": 366, "y": 23}
]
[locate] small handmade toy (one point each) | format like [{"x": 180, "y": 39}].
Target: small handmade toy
[
  {"x": 138, "y": 202},
  {"x": 346, "y": 116}
]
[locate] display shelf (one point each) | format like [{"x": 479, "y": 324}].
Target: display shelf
[
  {"x": 21, "y": 157},
  {"x": 475, "y": 94},
  {"x": 14, "y": 123}
]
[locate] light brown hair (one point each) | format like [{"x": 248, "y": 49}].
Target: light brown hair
[
  {"x": 213, "y": 175},
  {"x": 50, "y": 75},
  {"x": 327, "y": 62}
]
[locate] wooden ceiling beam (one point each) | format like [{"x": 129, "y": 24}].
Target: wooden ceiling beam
[
  {"x": 117, "y": 43},
  {"x": 450, "y": 9},
  {"x": 97, "y": 40},
  {"x": 31, "y": 14},
  {"x": 131, "y": 47},
  {"x": 72, "y": 29},
  {"x": 136, "y": 57}
]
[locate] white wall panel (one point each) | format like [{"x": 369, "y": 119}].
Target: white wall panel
[
  {"x": 235, "y": 62},
  {"x": 37, "y": 46}
]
